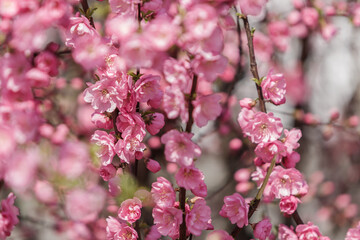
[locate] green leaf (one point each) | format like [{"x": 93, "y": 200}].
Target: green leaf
[
  {"x": 82, "y": 11},
  {"x": 97, "y": 78},
  {"x": 257, "y": 81},
  {"x": 92, "y": 11},
  {"x": 240, "y": 15},
  {"x": 252, "y": 31}
]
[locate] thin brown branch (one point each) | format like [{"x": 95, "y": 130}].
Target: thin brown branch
[
  {"x": 85, "y": 7},
  {"x": 254, "y": 70},
  {"x": 182, "y": 194},
  {"x": 114, "y": 115},
  {"x": 190, "y": 105},
  {"x": 297, "y": 218},
  {"x": 182, "y": 198},
  {"x": 253, "y": 64}
]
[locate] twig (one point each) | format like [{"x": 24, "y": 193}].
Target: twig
[
  {"x": 253, "y": 64},
  {"x": 297, "y": 218},
  {"x": 85, "y": 7},
  {"x": 253, "y": 68},
  {"x": 182, "y": 194},
  {"x": 114, "y": 115}
]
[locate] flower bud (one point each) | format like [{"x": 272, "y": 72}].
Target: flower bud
[
  {"x": 153, "y": 165},
  {"x": 107, "y": 172}
]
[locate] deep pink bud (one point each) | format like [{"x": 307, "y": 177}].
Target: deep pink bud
[
  {"x": 353, "y": 121},
  {"x": 152, "y": 165},
  {"x": 107, "y": 172},
  {"x": 262, "y": 229}
]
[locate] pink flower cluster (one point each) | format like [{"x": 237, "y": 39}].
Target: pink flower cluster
[
  {"x": 235, "y": 209},
  {"x": 302, "y": 232},
  {"x": 119, "y": 92},
  {"x": 128, "y": 213},
  {"x": 8, "y": 216},
  {"x": 264, "y": 129},
  {"x": 168, "y": 217}
]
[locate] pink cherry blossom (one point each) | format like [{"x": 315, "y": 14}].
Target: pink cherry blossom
[
  {"x": 267, "y": 151},
  {"x": 287, "y": 182},
  {"x": 102, "y": 120},
  {"x": 219, "y": 235},
  {"x": 291, "y": 139},
  {"x": 308, "y": 231},
  {"x": 20, "y": 174},
  {"x": 153, "y": 166},
  {"x": 242, "y": 175},
  {"x": 264, "y": 127},
  {"x": 137, "y": 52},
  {"x": 116, "y": 230},
  {"x": 45, "y": 192},
  {"x": 130, "y": 210},
  {"x": 94, "y": 197},
  {"x": 179, "y": 147},
  {"x": 199, "y": 217},
  {"x": 38, "y": 78},
  {"x": 262, "y": 46},
  {"x": 200, "y": 21},
  {"x": 106, "y": 142},
  {"x": 154, "y": 122},
  {"x": 245, "y": 117},
  {"x": 131, "y": 146},
  {"x": 206, "y": 108},
  {"x": 262, "y": 229},
  {"x": 13, "y": 70},
  {"x": 23, "y": 118},
  {"x": 235, "y": 144},
  {"x": 7, "y": 142},
  {"x": 153, "y": 234},
  {"x": 258, "y": 175},
  {"x": 189, "y": 177},
  {"x": 279, "y": 34},
  {"x": 8, "y": 216},
  {"x": 274, "y": 88},
  {"x": 154, "y": 6},
  {"x": 90, "y": 52},
  {"x": 328, "y": 31},
  {"x": 9, "y": 8},
  {"x": 114, "y": 186},
  {"x": 291, "y": 160},
  {"x": 131, "y": 124},
  {"x": 163, "y": 193},
  {"x": 251, "y": 7},
  {"x": 105, "y": 95},
  {"x": 162, "y": 33},
  {"x": 247, "y": 103},
  {"x": 79, "y": 27},
  {"x": 236, "y": 209},
  {"x": 174, "y": 103},
  {"x": 47, "y": 62},
  {"x": 356, "y": 19},
  {"x": 286, "y": 233},
  {"x": 148, "y": 88},
  {"x": 107, "y": 172},
  {"x": 353, "y": 233},
  {"x": 168, "y": 220},
  {"x": 209, "y": 66},
  {"x": 28, "y": 33},
  {"x": 200, "y": 190},
  {"x": 177, "y": 72},
  {"x": 122, "y": 7},
  {"x": 73, "y": 158},
  {"x": 121, "y": 27},
  {"x": 288, "y": 204},
  {"x": 310, "y": 17}
]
